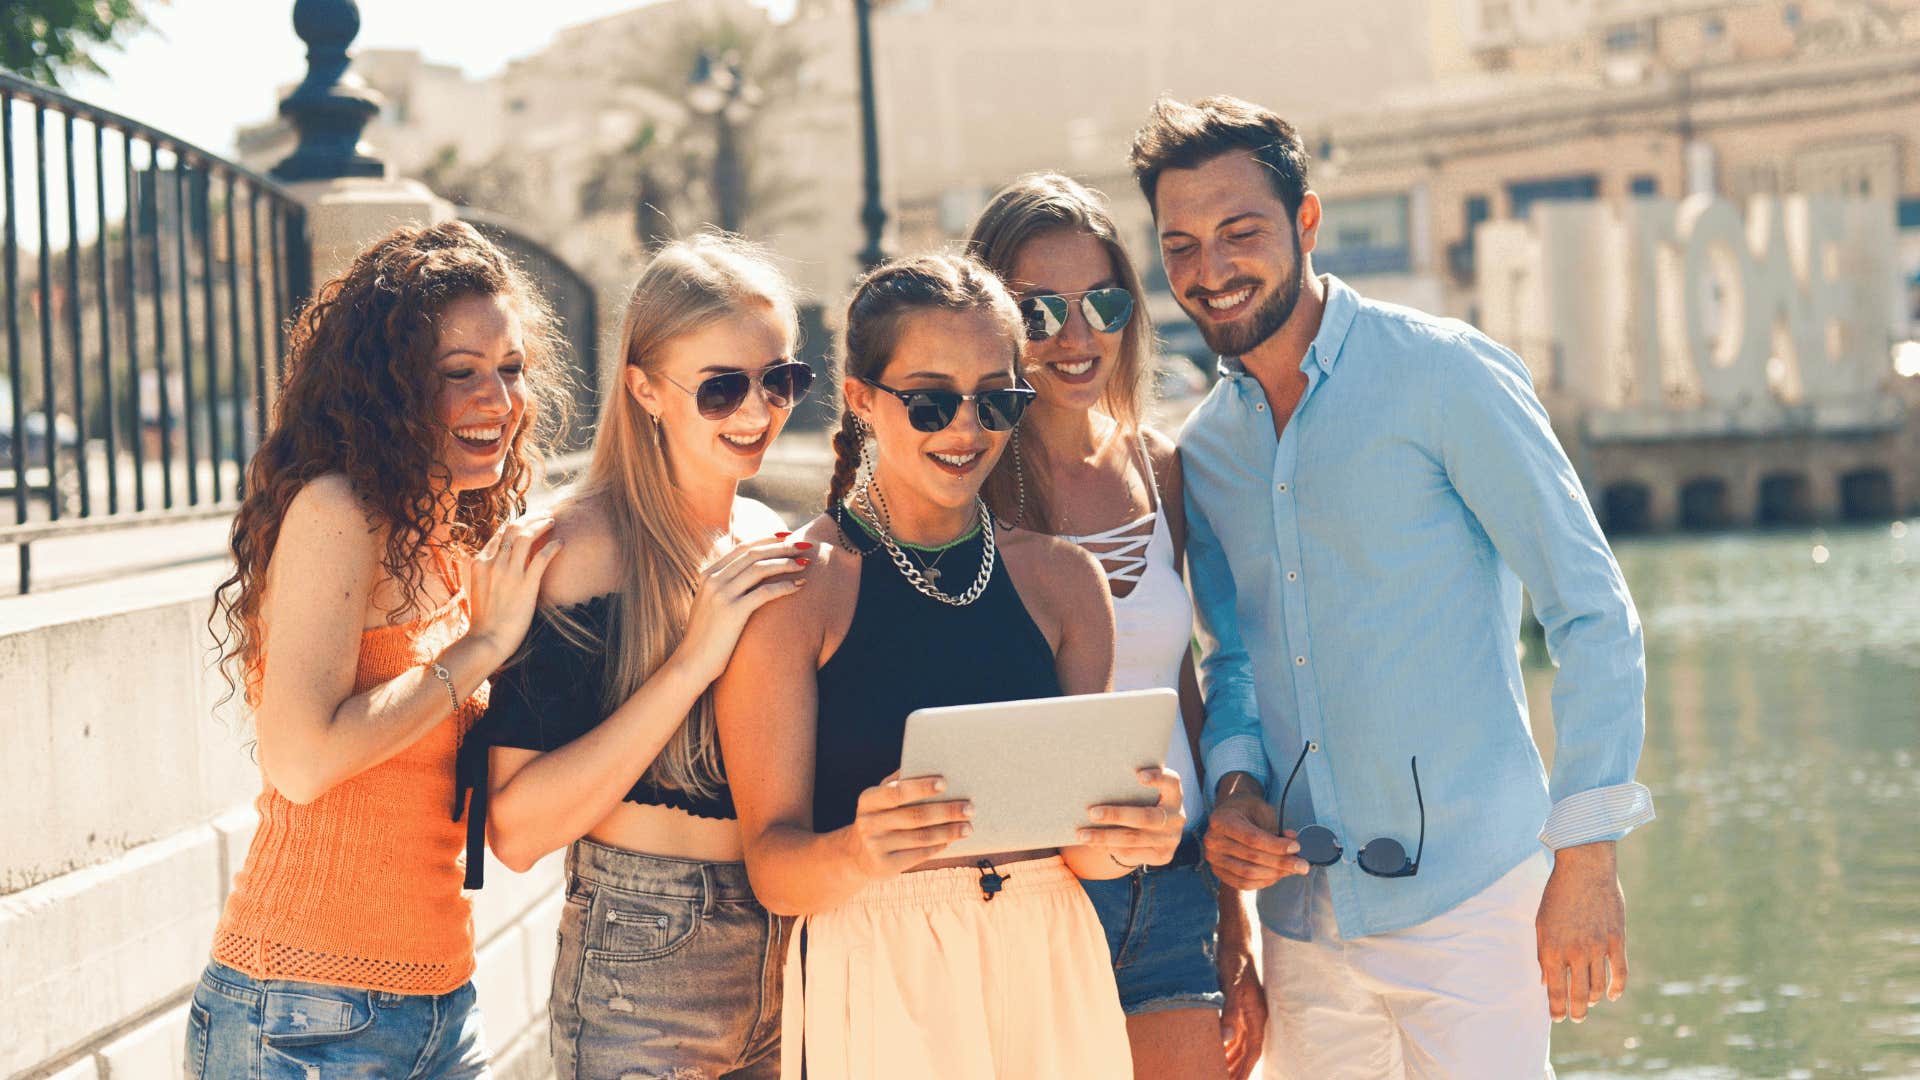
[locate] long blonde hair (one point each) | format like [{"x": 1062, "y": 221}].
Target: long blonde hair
[
  {"x": 688, "y": 286},
  {"x": 1050, "y": 202}
]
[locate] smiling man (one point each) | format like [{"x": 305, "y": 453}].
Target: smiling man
[{"x": 1367, "y": 489}]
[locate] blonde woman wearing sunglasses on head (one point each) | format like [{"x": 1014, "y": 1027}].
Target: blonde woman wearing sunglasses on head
[
  {"x": 603, "y": 732},
  {"x": 1085, "y": 466}
]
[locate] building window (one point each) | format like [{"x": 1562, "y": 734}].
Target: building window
[
  {"x": 1792, "y": 15},
  {"x": 1626, "y": 39},
  {"x": 1369, "y": 235},
  {"x": 1644, "y": 187},
  {"x": 1910, "y": 213},
  {"x": 1715, "y": 27},
  {"x": 1523, "y": 194}
]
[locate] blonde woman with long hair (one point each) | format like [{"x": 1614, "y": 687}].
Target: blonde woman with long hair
[
  {"x": 1086, "y": 467},
  {"x": 603, "y": 732}
]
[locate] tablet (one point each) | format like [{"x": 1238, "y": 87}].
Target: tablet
[{"x": 1032, "y": 768}]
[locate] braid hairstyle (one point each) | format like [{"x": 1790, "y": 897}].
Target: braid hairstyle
[{"x": 882, "y": 301}]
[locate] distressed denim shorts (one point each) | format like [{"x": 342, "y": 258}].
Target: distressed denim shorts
[
  {"x": 243, "y": 1028},
  {"x": 667, "y": 968},
  {"x": 1161, "y": 923}
]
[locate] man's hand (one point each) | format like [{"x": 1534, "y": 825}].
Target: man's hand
[
  {"x": 1243, "y": 1016},
  {"x": 1244, "y": 843},
  {"x": 1582, "y": 931}
]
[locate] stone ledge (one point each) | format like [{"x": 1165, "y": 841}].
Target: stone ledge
[{"x": 94, "y": 947}]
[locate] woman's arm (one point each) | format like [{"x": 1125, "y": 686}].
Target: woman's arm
[
  {"x": 765, "y": 704},
  {"x": 1172, "y": 494},
  {"x": 543, "y": 801},
  {"x": 315, "y": 732},
  {"x": 1070, "y": 584}
]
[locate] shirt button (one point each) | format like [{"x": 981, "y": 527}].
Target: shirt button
[
  {"x": 1260, "y": 408},
  {"x": 1313, "y": 748},
  {"x": 1281, "y": 487},
  {"x": 1292, "y": 576},
  {"x": 1299, "y": 661}
]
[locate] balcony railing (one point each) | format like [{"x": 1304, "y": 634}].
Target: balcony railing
[{"x": 145, "y": 285}]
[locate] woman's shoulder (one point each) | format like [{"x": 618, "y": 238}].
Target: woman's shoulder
[
  {"x": 328, "y": 517},
  {"x": 588, "y": 565},
  {"x": 753, "y": 519},
  {"x": 1052, "y": 562}
]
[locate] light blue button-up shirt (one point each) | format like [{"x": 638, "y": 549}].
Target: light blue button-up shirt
[{"x": 1356, "y": 597}]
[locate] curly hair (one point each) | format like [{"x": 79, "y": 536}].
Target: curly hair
[{"x": 358, "y": 400}]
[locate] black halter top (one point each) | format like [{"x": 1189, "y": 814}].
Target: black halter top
[{"x": 907, "y": 651}]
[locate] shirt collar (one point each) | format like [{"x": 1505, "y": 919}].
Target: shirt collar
[{"x": 1335, "y": 321}]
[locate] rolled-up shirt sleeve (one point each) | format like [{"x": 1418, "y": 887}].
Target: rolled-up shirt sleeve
[
  {"x": 1501, "y": 456},
  {"x": 1231, "y": 739}
]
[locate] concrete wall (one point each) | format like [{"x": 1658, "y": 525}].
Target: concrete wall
[{"x": 127, "y": 811}]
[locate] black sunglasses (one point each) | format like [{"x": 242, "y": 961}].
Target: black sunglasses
[
  {"x": 719, "y": 396},
  {"x": 933, "y": 410},
  {"x": 1382, "y": 857},
  {"x": 1045, "y": 314}
]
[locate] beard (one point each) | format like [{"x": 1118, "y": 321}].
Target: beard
[{"x": 1242, "y": 337}]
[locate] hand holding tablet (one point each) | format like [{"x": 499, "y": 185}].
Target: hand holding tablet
[{"x": 1033, "y": 769}]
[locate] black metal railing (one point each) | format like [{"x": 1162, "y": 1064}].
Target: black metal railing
[{"x": 144, "y": 321}]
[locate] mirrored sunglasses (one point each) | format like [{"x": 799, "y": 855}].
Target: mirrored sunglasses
[{"x": 1046, "y": 314}]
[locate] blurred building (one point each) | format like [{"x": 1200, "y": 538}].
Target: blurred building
[{"x": 524, "y": 145}]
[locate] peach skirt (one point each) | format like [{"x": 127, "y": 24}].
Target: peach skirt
[{"x": 921, "y": 977}]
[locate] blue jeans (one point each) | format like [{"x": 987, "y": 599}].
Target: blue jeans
[
  {"x": 1161, "y": 923},
  {"x": 242, "y": 1028},
  {"x": 667, "y": 967}
]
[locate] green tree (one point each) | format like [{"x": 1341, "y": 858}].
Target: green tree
[
  {"x": 42, "y": 39},
  {"x": 683, "y": 168}
]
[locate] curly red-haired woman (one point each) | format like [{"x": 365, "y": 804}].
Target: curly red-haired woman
[{"x": 377, "y": 552}]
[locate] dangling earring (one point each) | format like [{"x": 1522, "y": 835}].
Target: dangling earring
[
  {"x": 863, "y": 473},
  {"x": 1020, "y": 478},
  {"x": 658, "y": 435}
]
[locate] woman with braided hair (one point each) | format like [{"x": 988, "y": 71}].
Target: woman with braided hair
[
  {"x": 376, "y": 552},
  {"x": 908, "y": 963}
]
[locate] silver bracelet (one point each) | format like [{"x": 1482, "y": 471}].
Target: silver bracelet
[{"x": 440, "y": 672}]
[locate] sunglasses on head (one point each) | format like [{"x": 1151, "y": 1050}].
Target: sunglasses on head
[
  {"x": 1383, "y": 857},
  {"x": 1045, "y": 314},
  {"x": 933, "y": 410},
  {"x": 720, "y": 396}
]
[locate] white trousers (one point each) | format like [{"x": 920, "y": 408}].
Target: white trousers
[{"x": 1457, "y": 997}]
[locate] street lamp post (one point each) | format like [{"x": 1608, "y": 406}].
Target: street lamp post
[
  {"x": 721, "y": 91},
  {"x": 873, "y": 214}
]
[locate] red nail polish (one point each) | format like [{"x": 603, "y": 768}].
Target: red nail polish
[
  {"x": 802, "y": 546},
  {"x": 804, "y": 562},
  {"x": 781, "y": 535}
]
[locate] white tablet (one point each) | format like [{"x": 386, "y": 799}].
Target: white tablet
[{"x": 1032, "y": 768}]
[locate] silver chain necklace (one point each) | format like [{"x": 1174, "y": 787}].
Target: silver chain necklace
[{"x": 912, "y": 573}]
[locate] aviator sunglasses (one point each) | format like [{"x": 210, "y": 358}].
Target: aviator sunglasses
[
  {"x": 1045, "y": 314},
  {"x": 933, "y": 410},
  {"x": 1383, "y": 857},
  {"x": 720, "y": 396}
]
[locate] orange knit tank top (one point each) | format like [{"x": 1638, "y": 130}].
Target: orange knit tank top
[{"x": 361, "y": 887}]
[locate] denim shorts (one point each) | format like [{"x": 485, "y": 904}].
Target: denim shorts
[
  {"x": 243, "y": 1028},
  {"x": 1161, "y": 923},
  {"x": 666, "y": 967}
]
